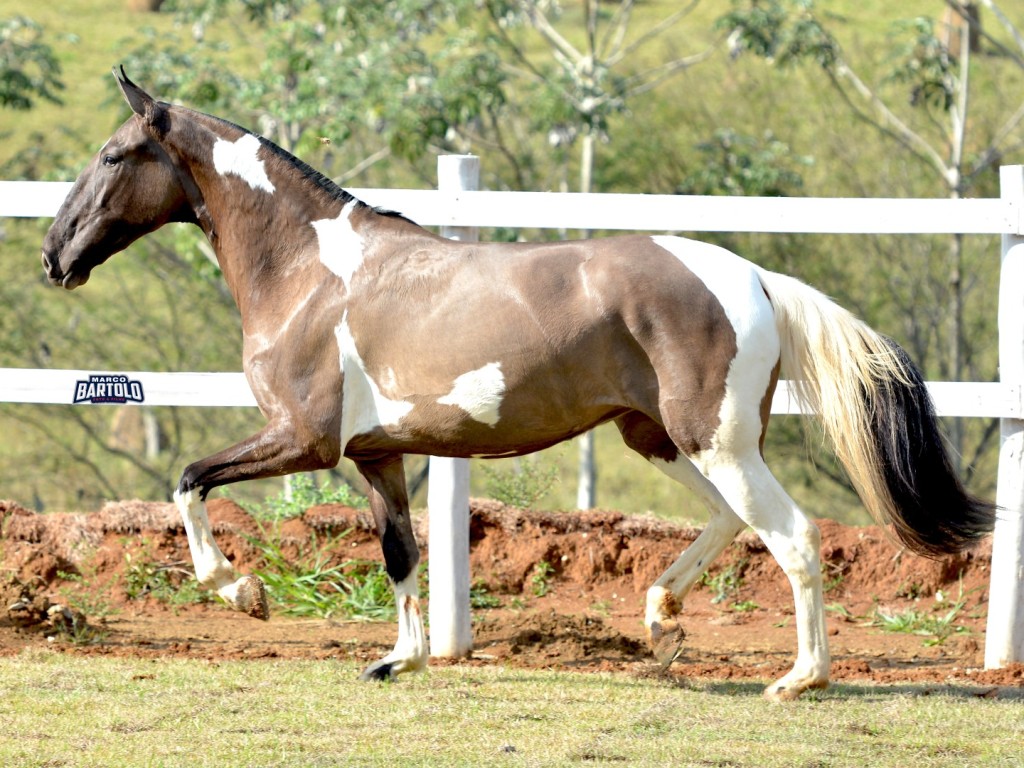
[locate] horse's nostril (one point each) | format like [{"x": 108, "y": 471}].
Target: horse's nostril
[{"x": 51, "y": 268}]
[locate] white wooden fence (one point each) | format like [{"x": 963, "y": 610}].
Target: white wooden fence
[{"x": 458, "y": 210}]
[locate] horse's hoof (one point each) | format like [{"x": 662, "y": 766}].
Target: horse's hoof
[
  {"x": 666, "y": 640},
  {"x": 251, "y": 598},
  {"x": 380, "y": 672},
  {"x": 781, "y": 691}
]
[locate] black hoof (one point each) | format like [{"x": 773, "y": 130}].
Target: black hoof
[{"x": 381, "y": 673}]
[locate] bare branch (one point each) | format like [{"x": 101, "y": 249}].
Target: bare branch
[
  {"x": 886, "y": 120},
  {"x": 540, "y": 22},
  {"x": 1008, "y": 25},
  {"x": 358, "y": 168},
  {"x": 652, "y": 78},
  {"x": 659, "y": 28},
  {"x": 615, "y": 34}
]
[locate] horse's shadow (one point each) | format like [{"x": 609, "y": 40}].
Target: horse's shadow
[{"x": 872, "y": 691}]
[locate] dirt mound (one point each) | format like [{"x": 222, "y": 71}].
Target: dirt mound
[{"x": 569, "y": 588}]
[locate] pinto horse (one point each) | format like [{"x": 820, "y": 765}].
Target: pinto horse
[{"x": 368, "y": 337}]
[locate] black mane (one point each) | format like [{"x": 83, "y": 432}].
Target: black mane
[{"x": 308, "y": 172}]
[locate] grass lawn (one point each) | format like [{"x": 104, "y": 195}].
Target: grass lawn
[{"x": 58, "y": 710}]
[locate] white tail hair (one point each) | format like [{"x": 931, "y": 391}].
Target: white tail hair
[{"x": 876, "y": 413}]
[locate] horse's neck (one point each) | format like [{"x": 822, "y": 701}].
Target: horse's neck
[{"x": 256, "y": 211}]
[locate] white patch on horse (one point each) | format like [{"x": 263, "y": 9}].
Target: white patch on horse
[
  {"x": 734, "y": 282},
  {"x": 479, "y": 393},
  {"x": 341, "y": 247},
  {"x": 364, "y": 407},
  {"x": 241, "y": 158},
  {"x": 410, "y": 653}
]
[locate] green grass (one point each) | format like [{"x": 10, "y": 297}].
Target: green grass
[
  {"x": 726, "y": 582},
  {"x": 68, "y": 711},
  {"x": 935, "y": 625}
]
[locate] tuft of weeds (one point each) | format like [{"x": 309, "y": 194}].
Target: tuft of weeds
[
  {"x": 833, "y": 575},
  {"x": 936, "y": 625},
  {"x": 71, "y": 625},
  {"x": 311, "y": 584},
  {"x": 303, "y": 493},
  {"x": 83, "y": 598},
  {"x": 540, "y": 582},
  {"x": 168, "y": 583},
  {"x": 745, "y": 606},
  {"x": 841, "y": 610},
  {"x": 481, "y": 598},
  {"x": 726, "y": 582},
  {"x": 523, "y": 484}
]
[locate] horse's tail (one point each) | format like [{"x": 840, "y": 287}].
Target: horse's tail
[{"x": 876, "y": 412}]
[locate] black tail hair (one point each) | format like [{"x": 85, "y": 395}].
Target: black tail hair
[{"x": 934, "y": 513}]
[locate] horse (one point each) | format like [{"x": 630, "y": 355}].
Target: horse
[{"x": 368, "y": 337}]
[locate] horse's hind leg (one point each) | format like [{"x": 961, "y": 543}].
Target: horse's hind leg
[
  {"x": 665, "y": 596},
  {"x": 753, "y": 492},
  {"x": 739, "y": 490}
]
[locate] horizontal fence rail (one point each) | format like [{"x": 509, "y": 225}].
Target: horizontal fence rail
[
  {"x": 61, "y": 386},
  {"x": 54, "y": 386},
  {"x": 660, "y": 213}
]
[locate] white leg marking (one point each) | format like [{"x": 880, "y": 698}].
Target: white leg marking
[
  {"x": 213, "y": 569},
  {"x": 734, "y": 464},
  {"x": 241, "y": 158},
  {"x": 664, "y": 598},
  {"x": 364, "y": 406},
  {"x": 410, "y": 653},
  {"x": 793, "y": 541},
  {"x": 723, "y": 526},
  {"x": 478, "y": 393},
  {"x": 341, "y": 248}
]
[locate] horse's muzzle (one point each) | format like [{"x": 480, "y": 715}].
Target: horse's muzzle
[{"x": 51, "y": 266}]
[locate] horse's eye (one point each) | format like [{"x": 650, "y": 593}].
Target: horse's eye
[{"x": 110, "y": 160}]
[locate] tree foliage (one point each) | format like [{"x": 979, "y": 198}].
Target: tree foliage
[
  {"x": 29, "y": 70},
  {"x": 402, "y": 73}
]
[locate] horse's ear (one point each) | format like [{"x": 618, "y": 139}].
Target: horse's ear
[{"x": 141, "y": 102}]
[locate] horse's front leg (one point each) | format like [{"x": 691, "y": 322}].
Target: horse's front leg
[
  {"x": 243, "y": 593},
  {"x": 389, "y": 502},
  {"x": 277, "y": 449}
]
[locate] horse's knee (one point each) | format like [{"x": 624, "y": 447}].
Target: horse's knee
[{"x": 189, "y": 481}]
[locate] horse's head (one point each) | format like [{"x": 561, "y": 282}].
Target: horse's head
[{"x": 130, "y": 188}]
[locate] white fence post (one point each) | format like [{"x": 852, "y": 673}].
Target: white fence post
[
  {"x": 451, "y": 634},
  {"x": 1004, "y": 635}
]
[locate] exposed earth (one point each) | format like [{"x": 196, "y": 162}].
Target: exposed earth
[{"x": 65, "y": 581}]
